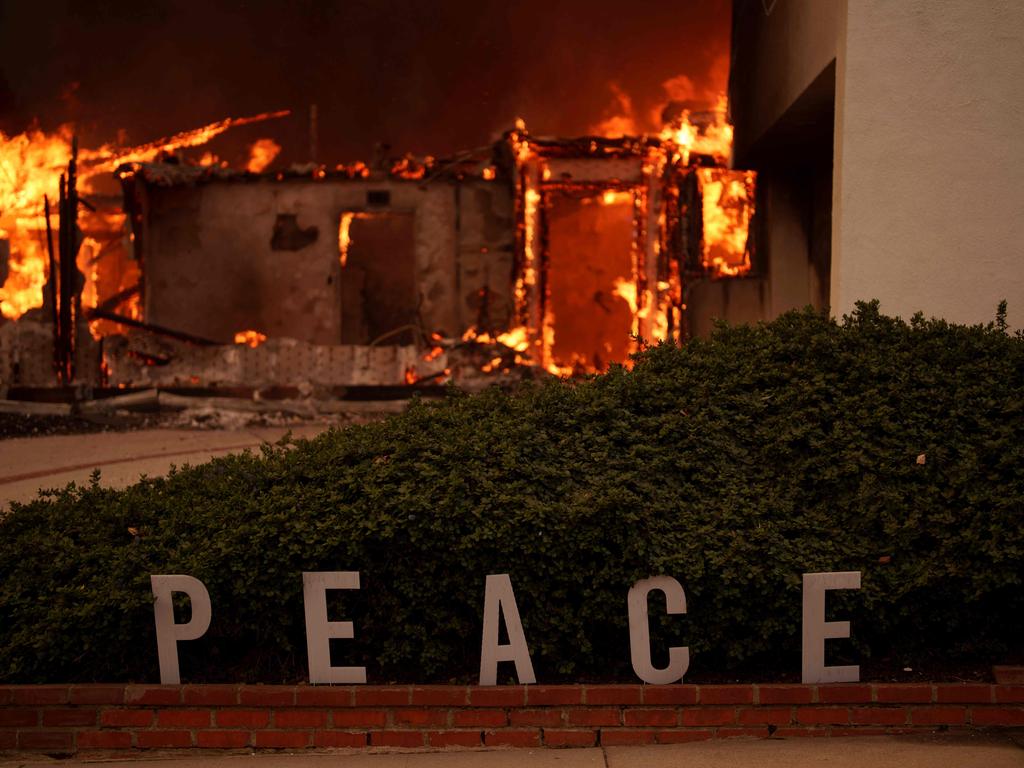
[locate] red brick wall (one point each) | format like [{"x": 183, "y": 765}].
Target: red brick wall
[{"x": 63, "y": 719}]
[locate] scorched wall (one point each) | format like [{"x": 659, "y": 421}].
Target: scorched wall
[{"x": 227, "y": 255}]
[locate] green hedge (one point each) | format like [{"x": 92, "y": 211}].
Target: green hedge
[{"x": 735, "y": 465}]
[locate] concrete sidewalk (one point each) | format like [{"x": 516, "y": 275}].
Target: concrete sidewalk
[
  {"x": 940, "y": 751},
  {"x": 30, "y": 463}
]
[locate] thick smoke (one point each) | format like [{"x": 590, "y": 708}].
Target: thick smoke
[{"x": 425, "y": 77}]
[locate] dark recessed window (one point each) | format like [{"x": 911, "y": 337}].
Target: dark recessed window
[{"x": 378, "y": 197}]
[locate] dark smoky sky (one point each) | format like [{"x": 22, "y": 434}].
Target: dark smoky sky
[{"x": 426, "y": 76}]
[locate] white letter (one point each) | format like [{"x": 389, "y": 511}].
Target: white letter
[
  {"x": 640, "y": 631},
  {"x": 167, "y": 632},
  {"x": 816, "y": 630},
  {"x": 499, "y": 598},
  {"x": 319, "y": 630}
]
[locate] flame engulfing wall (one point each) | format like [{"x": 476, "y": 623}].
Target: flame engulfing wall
[
  {"x": 31, "y": 164},
  {"x": 687, "y": 219}
]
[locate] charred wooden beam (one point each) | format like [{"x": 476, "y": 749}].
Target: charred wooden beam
[
  {"x": 71, "y": 280},
  {"x": 64, "y": 342},
  {"x": 52, "y": 285},
  {"x": 111, "y": 303},
  {"x": 593, "y": 146},
  {"x": 588, "y": 187},
  {"x": 103, "y": 314},
  {"x": 5, "y": 254}
]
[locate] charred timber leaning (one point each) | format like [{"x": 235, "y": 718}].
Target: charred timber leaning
[
  {"x": 99, "y": 313},
  {"x": 71, "y": 282},
  {"x": 111, "y": 303},
  {"x": 52, "y": 285},
  {"x": 64, "y": 372}
]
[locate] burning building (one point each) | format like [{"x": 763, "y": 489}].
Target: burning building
[{"x": 530, "y": 254}]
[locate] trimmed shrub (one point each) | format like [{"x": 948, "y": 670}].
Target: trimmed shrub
[{"x": 734, "y": 464}]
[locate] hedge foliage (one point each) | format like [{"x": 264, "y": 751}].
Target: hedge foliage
[{"x": 735, "y": 465}]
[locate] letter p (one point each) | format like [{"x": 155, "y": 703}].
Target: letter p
[{"x": 167, "y": 632}]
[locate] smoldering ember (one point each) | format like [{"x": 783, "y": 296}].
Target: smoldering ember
[{"x": 499, "y": 607}]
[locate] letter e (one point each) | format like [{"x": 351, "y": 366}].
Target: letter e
[
  {"x": 816, "y": 630},
  {"x": 319, "y": 630}
]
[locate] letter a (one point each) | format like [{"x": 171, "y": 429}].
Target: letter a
[{"x": 500, "y": 599}]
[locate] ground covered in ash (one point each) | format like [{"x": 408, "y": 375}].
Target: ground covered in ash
[
  {"x": 14, "y": 425},
  {"x": 36, "y": 425}
]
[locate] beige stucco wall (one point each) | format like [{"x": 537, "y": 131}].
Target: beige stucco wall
[{"x": 929, "y": 186}]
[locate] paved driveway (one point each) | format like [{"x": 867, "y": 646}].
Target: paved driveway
[{"x": 30, "y": 463}]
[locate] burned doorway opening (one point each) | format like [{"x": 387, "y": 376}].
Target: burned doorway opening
[
  {"x": 589, "y": 262},
  {"x": 378, "y": 293},
  {"x": 673, "y": 229}
]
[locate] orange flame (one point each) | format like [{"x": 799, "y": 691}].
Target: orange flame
[
  {"x": 616, "y": 197},
  {"x": 344, "y": 237},
  {"x": 250, "y": 338},
  {"x": 728, "y": 202},
  {"x": 108, "y": 157},
  {"x": 493, "y": 364},
  {"x": 30, "y": 166},
  {"x": 410, "y": 168},
  {"x": 517, "y": 338},
  {"x": 261, "y": 154},
  {"x": 433, "y": 353},
  {"x": 714, "y": 139},
  {"x": 727, "y": 197}
]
